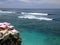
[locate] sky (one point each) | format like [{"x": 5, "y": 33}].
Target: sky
[{"x": 29, "y": 3}]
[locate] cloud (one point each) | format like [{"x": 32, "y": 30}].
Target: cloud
[
  {"x": 1, "y": 3},
  {"x": 11, "y": 0},
  {"x": 24, "y": 0},
  {"x": 42, "y": 1},
  {"x": 31, "y": 3},
  {"x": 35, "y": 1}
]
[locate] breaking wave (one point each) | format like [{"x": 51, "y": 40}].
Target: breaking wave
[
  {"x": 6, "y": 11},
  {"x": 43, "y": 14},
  {"x": 34, "y": 17}
]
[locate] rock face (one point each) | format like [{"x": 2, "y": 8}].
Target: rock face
[
  {"x": 11, "y": 40},
  {"x": 9, "y": 37}
]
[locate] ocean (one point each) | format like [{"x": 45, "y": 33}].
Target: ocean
[{"x": 36, "y": 26}]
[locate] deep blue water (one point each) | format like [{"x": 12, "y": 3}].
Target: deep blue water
[{"x": 35, "y": 31}]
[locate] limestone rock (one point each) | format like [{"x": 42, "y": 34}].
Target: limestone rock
[{"x": 9, "y": 35}]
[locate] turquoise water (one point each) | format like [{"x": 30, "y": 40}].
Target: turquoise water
[
  {"x": 33, "y": 31},
  {"x": 35, "y": 38}
]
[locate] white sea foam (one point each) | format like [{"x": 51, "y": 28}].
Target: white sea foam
[
  {"x": 43, "y": 14},
  {"x": 27, "y": 16},
  {"x": 6, "y": 11},
  {"x": 34, "y": 17},
  {"x": 45, "y": 18}
]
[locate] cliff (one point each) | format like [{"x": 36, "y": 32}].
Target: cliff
[{"x": 9, "y": 36}]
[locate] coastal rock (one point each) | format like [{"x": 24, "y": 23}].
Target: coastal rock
[{"x": 9, "y": 37}]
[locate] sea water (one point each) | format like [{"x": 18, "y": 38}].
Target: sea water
[{"x": 36, "y": 26}]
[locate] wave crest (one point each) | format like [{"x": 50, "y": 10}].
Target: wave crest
[
  {"x": 43, "y": 14},
  {"x": 34, "y": 17},
  {"x": 6, "y": 11}
]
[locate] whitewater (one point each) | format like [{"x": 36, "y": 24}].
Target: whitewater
[
  {"x": 34, "y": 16},
  {"x": 25, "y": 13},
  {"x": 6, "y": 12}
]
